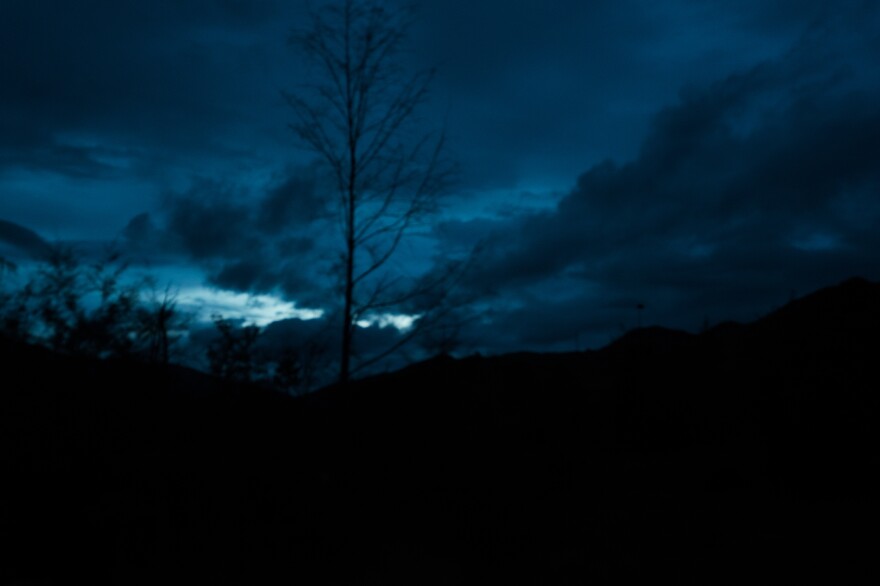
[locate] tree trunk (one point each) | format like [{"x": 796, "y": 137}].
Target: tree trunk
[
  {"x": 346, "y": 318},
  {"x": 347, "y": 325}
]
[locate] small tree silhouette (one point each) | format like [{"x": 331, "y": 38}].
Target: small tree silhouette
[
  {"x": 232, "y": 355},
  {"x": 82, "y": 309},
  {"x": 15, "y": 315},
  {"x": 91, "y": 309},
  {"x": 287, "y": 371},
  {"x": 157, "y": 318}
]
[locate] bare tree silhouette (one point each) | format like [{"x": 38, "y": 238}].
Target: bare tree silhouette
[
  {"x": 233, "y": 355},
  {"x": 360, "y": 119},
  {"x": 159, "y": 322}
]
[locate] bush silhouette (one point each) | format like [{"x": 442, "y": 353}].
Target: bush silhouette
[{"x": 89, "y": 309}]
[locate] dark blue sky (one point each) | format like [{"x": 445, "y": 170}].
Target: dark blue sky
[{"x": 705, "y": 158}]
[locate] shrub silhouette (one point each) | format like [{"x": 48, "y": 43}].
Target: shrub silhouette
[
  {"x": 89, "y": 309},
  {"x": 158, "y": 324},
  {"x": 232, "y": 355},
  {"x": 239, "y": 354},
  {"x": 83, "y": 309}
]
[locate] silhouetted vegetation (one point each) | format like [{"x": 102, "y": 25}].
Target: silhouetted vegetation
[
  {"x": 237, "y": 355},
  {"x": 91, "y": 309},
  {"x": 95, "y": 309},
  {"x": 232, "y": 355},
  {"x": 74, "y": 307},
  {"x": 744, "y": 451},
  {"x": 358, "y": 119},
  {"x": 159, "y": 323}
]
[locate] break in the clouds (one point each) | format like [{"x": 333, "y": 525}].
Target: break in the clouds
[{"x": 704, "y": 158}]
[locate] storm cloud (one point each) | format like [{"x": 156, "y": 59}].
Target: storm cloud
[
  {"x": 704, "y": 159},
  {"x": 746, "y": 191}
]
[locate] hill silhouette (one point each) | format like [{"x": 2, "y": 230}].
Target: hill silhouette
[{"x": 745, "y": 452}]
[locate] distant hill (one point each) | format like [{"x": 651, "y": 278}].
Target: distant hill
[
  {"x": 747, "y": 450},
  {"x": 20, "y": 240}
]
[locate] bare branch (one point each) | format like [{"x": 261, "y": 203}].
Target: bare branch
[{"x": 357, "y": 121}]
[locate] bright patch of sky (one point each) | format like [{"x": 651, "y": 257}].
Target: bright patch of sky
[
  {"x": 400, "y": 321},
  {"x": 259, "y": 310}
]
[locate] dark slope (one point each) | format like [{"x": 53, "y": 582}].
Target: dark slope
[
  {"x": 121, "y": 473},
  {"x": 747, "y": 451},
  {"x": 708, "y": 455}
]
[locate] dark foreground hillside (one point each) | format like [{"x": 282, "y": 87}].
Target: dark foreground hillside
[{"x": 747, "y": 453}]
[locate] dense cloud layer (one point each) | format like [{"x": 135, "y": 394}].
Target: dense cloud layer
[
  {"x": 730, "y": 152},
  {"x": 87, "y": 82},
  {"x": 275, "y": 241},
  {"x": 762, "y": 184}
]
